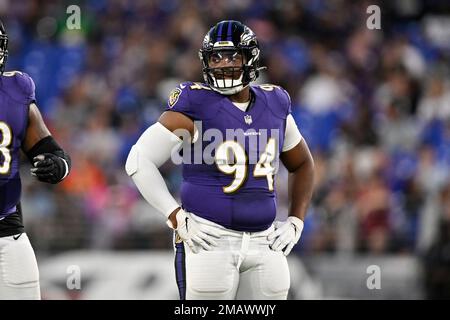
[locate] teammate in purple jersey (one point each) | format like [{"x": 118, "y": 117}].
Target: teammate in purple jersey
[
  {"x": 21, "y": 128},
  {"x": 231, "y": 135}
]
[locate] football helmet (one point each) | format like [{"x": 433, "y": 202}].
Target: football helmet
[
  {"x": 231, "y": 41},
  {"x": 3, "y": 47}
]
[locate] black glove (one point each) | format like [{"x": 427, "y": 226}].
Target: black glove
[{"x": 49, "y": 168}]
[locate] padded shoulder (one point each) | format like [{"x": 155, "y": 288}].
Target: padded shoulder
[
  {"x": 278, "y": 100},
  {"x": 195, "y": 100},
  {"x": 20, "y": 86}
]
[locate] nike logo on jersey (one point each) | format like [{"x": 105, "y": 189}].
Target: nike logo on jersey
[
  {"x": 17, "y": 237},
  {"x": 182, "y": 86}
]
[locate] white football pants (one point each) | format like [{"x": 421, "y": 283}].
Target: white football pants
[
  {"x": 242, "y": 266},
  {"x": 19, "y": 275}
]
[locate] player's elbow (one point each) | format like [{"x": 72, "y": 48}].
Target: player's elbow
[
  {"x": 306, "y": 165},
  {"x": 139, "y": 160},
  {"x": 132, "y": 163},
  {"x": 307, "y": 162},
  {"x": 311, "y": 162}
]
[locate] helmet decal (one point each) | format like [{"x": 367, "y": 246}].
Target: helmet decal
[
  {"x": 3, "y": 47},
  {"x": 247, "y": 36}
]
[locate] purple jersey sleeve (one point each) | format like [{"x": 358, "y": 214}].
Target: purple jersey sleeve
[
  {"x": 277, "y": 99},
  {"x": 195, "y": 100},
  {"x": 179, "y": 101},
  {"x": 283, "y": 108},
  {"x": 287, "y": 101},
  {"x": 26, "y": 84}
]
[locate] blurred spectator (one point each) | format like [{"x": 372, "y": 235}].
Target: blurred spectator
[{"x": 435, "y": 103}]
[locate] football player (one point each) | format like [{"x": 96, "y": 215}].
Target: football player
[
  {"x": 21, "y": 128},
  {"x": 227, "y": 243}
]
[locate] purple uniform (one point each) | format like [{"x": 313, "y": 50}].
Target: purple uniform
[
  {"x": 16, "y": 94},
  {"x": 239, "y": 198}
]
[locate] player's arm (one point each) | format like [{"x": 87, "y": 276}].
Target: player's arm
[
  {"x": 154, "y": 148},
  {"x": 174, "y": 121},
  {"x": 50, "y": 163},
  {"x": 298, "y": 160},
  {"x": 300, "y": 164}
]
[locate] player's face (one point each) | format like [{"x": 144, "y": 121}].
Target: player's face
[{"x": 232, "y": 60}]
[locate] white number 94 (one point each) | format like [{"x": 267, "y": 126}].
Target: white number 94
[{"x": 231, "y": 159}]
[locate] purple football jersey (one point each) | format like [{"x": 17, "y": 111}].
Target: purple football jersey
[
  {"x": 16, "y": 94},
  {"x": 230, "y": 180}
]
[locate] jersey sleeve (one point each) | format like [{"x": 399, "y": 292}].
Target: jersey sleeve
[
  {"x": 286, "y": 101},
  {"x": 27, "y": 86},
  {"x": 282, "y": 107},
  {"x": 278, "y": 100},
  {"x": 292, "y": 135},
  {"x": 179, "y": 101}
]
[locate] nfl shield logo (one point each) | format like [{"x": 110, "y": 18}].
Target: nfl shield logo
[{"x": 248, "y": 119}]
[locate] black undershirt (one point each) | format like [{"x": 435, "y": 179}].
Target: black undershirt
[{"x": 12, "y": 224}]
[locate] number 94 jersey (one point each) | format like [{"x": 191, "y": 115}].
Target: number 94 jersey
[{"x": 228, "y": 172}]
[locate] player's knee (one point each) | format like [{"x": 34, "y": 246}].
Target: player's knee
[
  {"x": 276, "y": 281},
  {"x": 131, "y": 165},
  {"x": 212, "y": 276},
  {"x": 213, "y": 289},
  {"x": 276, "y": 285},
  {"x": 277, "y": 289},
  {"x": 220, "y": 285}
]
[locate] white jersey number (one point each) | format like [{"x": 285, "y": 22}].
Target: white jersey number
[
  {"x": 5, "y": 142},
  {"x": 232, "y": 159}
]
